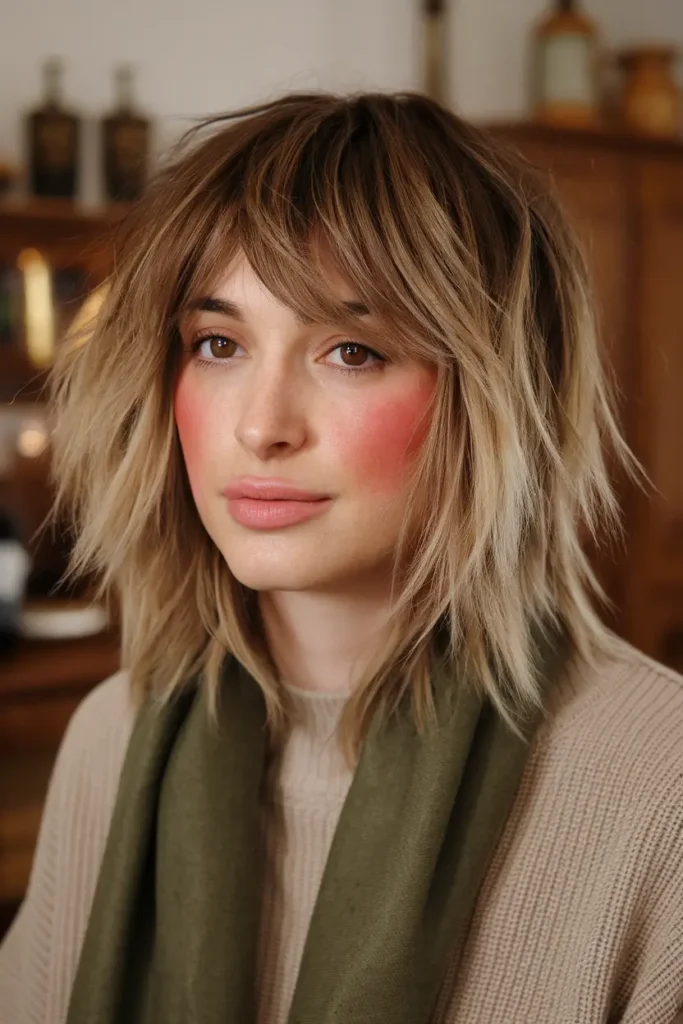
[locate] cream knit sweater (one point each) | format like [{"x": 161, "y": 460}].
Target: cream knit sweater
[{"x": 579, "y": 920}]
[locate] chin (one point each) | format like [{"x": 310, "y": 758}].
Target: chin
[
  {"x": 263, "y": 577},
  {"x": 305, "y": 569},
  {"x": 312, "y": 558},
  {"x": 264, "y": 562}
]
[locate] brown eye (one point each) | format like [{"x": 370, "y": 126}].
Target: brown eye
[
  {"x": 215, "y": 347},
  {"x": 219, "y": 347},
  {"x": 353, "y": 355}
]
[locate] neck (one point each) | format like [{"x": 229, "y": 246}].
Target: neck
[{"x": 322, "y": 641}]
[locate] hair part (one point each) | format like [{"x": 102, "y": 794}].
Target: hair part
[{"x": 467, "y": 261}]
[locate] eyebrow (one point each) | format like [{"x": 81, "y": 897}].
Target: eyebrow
[{"x": 212, "y": 304}]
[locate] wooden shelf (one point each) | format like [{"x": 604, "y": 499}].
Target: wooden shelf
[
  {"x": 63, "y": 213},
  {"x": 41, "y": 685},
  {"x": 44, "y": 667},
  {"x": 606, "y": 136}
]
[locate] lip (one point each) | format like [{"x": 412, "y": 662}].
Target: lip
[
  {"x": 261, "y": 488},
  {"x": 261, "y": 503}
]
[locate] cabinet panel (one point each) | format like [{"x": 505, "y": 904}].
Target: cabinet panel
[
  {"x": 660, "y": 253},
  {"x": 625, "y": 198},
  {"x": 594, "y": 186},
  {"x": 598, "y": 205},
  {"x": 596, "y": 193}
]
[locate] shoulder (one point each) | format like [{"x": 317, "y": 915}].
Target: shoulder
[
  {"x": 601, "y": 798},
  {"x": 100, "y": 727},
  {"x": 622, "y": 689},
  {"x": 87, "y": 768},
  {"x": 618, "y": 725},
  {"x": 86, "y": 774}
]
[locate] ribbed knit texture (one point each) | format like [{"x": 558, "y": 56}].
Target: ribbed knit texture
[{"x": 579, "y": 920}]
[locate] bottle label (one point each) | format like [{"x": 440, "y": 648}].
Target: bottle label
[
  {"x": 129, "y": 145},
  {"x": 55, "y": 144},
  {"x": 566, "y": 72}
]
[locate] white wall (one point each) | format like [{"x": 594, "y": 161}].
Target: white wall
[
  {"x": 489, "y": 55},
  {"x": 628, "y": 21},
  {"x": 202, "y": 56},
  {"x": 490, "y": 44},
  {"x": 198, "y": 56}
]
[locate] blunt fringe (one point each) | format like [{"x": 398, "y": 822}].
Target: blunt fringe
[{"x": 467, "y": 259}]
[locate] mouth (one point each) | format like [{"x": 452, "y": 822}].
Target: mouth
[
  {"x": 270, "y": 489},
  {"x": 271, "y": 504}
]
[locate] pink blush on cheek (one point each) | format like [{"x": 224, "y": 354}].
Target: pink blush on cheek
[
  {"x": 382, "y": 440},
  {"x": 191, "y": 421}
]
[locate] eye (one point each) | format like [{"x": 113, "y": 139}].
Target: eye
[
  {"x": 214, "y": 347},
  {"x": 354, "y": 356}
]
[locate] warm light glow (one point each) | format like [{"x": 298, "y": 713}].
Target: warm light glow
[
  {"x": 39, "y": 317},
  {"x": 32, "y": 442},
  {"x": 82, "y": 325}
]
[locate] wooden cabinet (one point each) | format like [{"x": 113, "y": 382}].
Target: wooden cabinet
[
  {"x": 43, "y": 682},
  {"x": 625, "y": 198},
  {"x": 40, "y": 687},
  {"x": 52, "y": 254},
  {"x": 658, "y": 338},
  {"x": 76, "y": 248}
]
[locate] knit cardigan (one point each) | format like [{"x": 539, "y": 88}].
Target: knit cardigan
[{"x": 579, "y": 919}]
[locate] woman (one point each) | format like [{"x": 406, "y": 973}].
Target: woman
[{"x": 333, "y": 443}]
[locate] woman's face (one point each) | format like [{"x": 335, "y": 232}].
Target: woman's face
[{"x": 298, "y": 439}]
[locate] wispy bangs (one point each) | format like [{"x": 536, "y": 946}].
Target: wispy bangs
[{"x": 328, "y": 199}]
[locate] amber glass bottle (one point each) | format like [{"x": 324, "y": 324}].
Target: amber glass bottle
[
  {"x": 566, "y": 61},
  {"x": 53, "y": 136},
  {"x": 651, "y": 100},
  {"x": 125, "y": 143}
]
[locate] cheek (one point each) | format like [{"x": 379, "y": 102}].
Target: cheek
[
  {"x": 380, "y": 443},
  {"x": 193, "y": 419}
]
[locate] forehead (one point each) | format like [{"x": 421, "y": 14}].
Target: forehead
[
  {"x": 239, "y": 272},
  {"x": 239, "y": 287}
]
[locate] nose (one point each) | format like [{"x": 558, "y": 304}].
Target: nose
[{"x": 272, "y": 418}]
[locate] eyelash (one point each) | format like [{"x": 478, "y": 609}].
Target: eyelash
[{"x": 195, "y": 345}]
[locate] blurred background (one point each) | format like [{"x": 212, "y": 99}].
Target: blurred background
[{"x": 91, "y": 96}]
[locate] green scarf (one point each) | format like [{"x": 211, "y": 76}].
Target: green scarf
[{"x": 173, "y": 931}]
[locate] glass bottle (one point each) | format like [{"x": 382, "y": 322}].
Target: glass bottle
[
  {"x": 53, "y": 138},
  {"x": 651, "y": 101},
  {"x": 435, "y": 50},
  {"x": 125, "y": 143},
  {"x": 566, "y": 59}
]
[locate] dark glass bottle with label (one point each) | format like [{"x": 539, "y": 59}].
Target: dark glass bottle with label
[
  {"x": 53, "y": 136},
  {"x": 435, "y": 57},
  {"x": 125, "y": 143}
]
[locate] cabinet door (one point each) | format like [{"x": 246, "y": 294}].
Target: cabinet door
[
  {"x": 660, "y": 349},
  {"x": 599, "y": 207},
  {"x": 595, "y": 190},
  {"x": 595, "y": 187}
]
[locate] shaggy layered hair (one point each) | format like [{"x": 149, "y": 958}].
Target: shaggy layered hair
[{"x": 467, "y": 261}]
